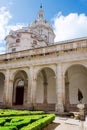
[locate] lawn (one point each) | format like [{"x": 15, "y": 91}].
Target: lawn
[{"x": 24, "y": 120}]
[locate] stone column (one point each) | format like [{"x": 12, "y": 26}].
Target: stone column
[
  {"x": 8, "y": 89},
  {"x": 45, "y": 92},
  {"x": 59, "y": 89},
  {"x": 4, "y": 94},
  {"x": 33, "y": 85},
  {"x": 29, "y": 93},
  {"x": 7, "y": 102},
  {"x": 34, "y": 91},
  {"x": 10, "y": 92},
  {"x": 67, "y": 102}
]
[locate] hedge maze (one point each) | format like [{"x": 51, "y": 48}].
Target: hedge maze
[{"x": 24, "y": 120}]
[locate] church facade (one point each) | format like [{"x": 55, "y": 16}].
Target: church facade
[{"x": 38, "y": 74}]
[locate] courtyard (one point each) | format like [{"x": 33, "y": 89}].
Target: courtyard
[
  {"x": 38, "y": 120},
  {"x": 67, "y": 124},
  {"x": 63, "y": 123},
  {"x": 24, "y": 119}
]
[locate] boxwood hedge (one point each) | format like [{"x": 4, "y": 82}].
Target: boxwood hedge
[{"x": 24, "y": 120}]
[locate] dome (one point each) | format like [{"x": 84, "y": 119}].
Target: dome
[
  {"x": 43, "y": 28},
  {"x": 38, "y": 34},
  {"x": 40, "y": 22}
]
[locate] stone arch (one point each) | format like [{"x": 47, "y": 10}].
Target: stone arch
[
  {"x": 67, "y": 66},
  {"x": 75, "y": 78},
  {"x": 2, "y": 86},
  {"x": 20, "y": 87},
  {"x": 14, "y": 72},
  {"x": 46, "y": 88}
]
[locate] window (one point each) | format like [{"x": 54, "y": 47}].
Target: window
[
  {"x": 18, "y": 35},
  {"x": 17, "y": 40},
  {"x": 13, "y": 49}
]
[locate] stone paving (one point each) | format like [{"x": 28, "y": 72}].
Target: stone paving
[{"x": 70, "y": 124}]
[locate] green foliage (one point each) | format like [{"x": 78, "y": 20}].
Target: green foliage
[
  {"x": 8, "y": 128},
  {"x": 39, "y": 124},
  {"x": 24, "y": 120},
  {"x": 2, "y": 121},
  {"x": 18, "y": 123},
  {"x": 8, "y": 112}
]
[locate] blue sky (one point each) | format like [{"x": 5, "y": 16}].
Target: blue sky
[
  {"x": 68, "y": 17},
  {"x": 24, "y": 11}
]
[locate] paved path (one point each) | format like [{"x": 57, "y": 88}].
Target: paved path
[{"x": 69, "y": 124}]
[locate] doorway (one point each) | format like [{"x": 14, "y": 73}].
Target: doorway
[{"x": 19, "y": 95}]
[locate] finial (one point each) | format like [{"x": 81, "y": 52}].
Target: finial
[
  {"x": 41, "y": 12},
  {"x": 41, "y": 6}
]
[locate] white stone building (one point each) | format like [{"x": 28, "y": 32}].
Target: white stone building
[{"x": 37, "y": 73}]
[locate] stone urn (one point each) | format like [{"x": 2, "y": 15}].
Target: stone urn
[{"x": 81, "y": 107}]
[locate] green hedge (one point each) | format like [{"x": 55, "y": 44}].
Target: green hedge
[
  {"x": 39, "y": 124},
  {"x": 24, "y": 120},
  {"x": 2, "y": 122},
  {"x": 8, "y": 128},
  {"x": 7, "y": 112},
  {"x": 19, "y": 124}
]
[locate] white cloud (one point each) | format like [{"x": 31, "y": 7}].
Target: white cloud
[
  {"x": 5, "y": 27},
  {"x": 70, "y": 26},
  {"x": 14, "y": 27},
  {"x": 4, "y": 19},
  {"x": 65, "y": 27}
]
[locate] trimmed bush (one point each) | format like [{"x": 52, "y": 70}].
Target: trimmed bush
[
  {"x": 8, "y": 128},
  {"x": 7, "y": 112},
  {"x": 39, "y": 124},
  {"x": 2, "y": 122},
  {"x": 19, "y": 124},
  {"x": 24, "y": 120}
]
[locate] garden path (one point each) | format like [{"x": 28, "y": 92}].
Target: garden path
[{"x": 69, "y": 124}]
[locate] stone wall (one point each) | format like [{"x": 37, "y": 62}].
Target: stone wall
[{"x": 58, "y": 58}]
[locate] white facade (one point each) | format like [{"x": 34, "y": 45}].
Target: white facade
[{"x": 42, "y": 75}]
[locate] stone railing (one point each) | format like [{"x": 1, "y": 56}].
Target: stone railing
[{"x": 60, "y": 46}]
